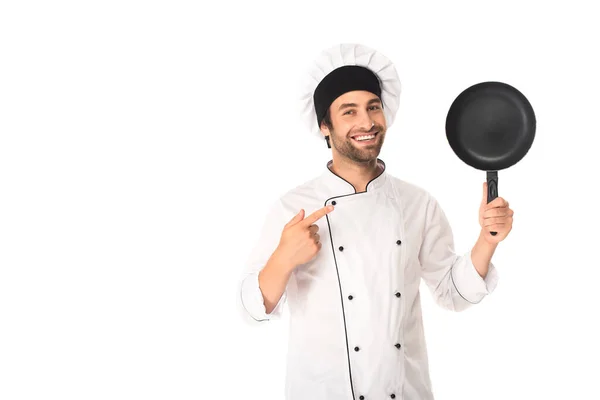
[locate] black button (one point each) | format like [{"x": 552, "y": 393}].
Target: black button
[
  {"x": 362, "y": 397},
  {"x": 398, "y": 345},
  {"x": 398, "y": 294},
  {"x": 356, "y": 348},
  {"x": 333, "y": 202},
  {"x": 398, "y": 241},
  {"x": 350, "y": 297},
  {"x": 341, "y": 248},
  {"x": 393, "y": 396}
]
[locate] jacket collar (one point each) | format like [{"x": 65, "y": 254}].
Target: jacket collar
[{"x": 335, "y": 185}]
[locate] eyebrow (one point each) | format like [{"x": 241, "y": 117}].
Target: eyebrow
[{"x": 348, "y": 105}]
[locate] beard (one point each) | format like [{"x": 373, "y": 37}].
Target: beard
[{"x": 348, "y": 148}]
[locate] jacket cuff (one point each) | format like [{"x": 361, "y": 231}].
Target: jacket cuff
[
  {"x": 253, "y": 301},
  {"x": 469, "y": 284}
]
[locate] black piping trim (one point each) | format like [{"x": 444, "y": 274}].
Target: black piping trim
[
  {"x": 337, "y": 269},
  {"x": 248, "y": 312},
  {"x": 379, "y": 161},
  {"x": 246, "y": 308},
  {"x": 342, "y": 300},
  {"x": 458, "y": 291}
]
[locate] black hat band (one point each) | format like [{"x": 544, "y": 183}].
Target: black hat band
[{"x": 342, "y": 80}]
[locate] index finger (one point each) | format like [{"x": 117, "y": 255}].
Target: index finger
[{"x": 320, "y": 213}]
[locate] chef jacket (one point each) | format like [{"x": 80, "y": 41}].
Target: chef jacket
[{"x": 356, "y": 328}]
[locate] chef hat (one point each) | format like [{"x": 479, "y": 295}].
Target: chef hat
[{"x": 343, "y": 68}]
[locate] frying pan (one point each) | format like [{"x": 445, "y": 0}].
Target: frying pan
[{"x": 491, "y": 126}]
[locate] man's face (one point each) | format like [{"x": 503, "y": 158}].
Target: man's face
[{"x": 353, "y": 135}]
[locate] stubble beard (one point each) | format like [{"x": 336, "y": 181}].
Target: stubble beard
[{"x": 346, "y": 148}]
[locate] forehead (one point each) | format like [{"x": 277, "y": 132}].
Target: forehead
[{"x": 358, "y": 97}]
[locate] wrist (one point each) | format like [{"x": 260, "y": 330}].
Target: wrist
[
  {"x": 485, "y": 242},
  {"x": 281, "y": 261}
]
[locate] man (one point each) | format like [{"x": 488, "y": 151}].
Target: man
[{"x": 346, "y": 251}]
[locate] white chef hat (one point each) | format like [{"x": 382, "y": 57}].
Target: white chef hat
[{"x": 343, "y": 68}]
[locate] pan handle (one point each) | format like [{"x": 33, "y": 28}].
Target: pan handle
[{"x": 492, "y": 188}]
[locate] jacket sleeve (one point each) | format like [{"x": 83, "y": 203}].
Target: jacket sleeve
[
  {"x": 249, "y": 296},
  {"x": 451, "y": 278}
]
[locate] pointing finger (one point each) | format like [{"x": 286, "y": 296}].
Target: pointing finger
[
  {"x": 297, "y": 218},
  {"x": 320, "y": 213}
]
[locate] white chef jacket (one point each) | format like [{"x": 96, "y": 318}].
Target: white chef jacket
[{"x": 356, "y": 328}]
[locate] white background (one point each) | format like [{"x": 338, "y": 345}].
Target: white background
[{"x": 142, "y": 142}]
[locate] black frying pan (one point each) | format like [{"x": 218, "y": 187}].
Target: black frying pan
[{"x": 491, "y": 126}]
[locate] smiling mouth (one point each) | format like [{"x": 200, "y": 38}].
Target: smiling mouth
[{"x": 365, "y": 138}]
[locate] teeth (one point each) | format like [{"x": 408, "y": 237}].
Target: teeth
[{"x": 364, "y": 137}]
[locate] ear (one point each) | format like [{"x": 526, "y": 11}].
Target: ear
[
  {"x": 326, "y": 133},
  {"x": 324, "y": 129}
]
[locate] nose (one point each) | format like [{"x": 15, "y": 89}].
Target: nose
[{"x": 366, "y": 122}]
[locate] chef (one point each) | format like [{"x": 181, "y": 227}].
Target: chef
[{"x": 345, "y": 252}]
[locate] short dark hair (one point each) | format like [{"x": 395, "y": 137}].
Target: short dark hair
[{"x": 327, "y": 120}]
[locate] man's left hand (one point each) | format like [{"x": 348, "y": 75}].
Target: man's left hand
[{"x": 495, "y": 217}]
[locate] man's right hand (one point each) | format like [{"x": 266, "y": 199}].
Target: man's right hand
[{"x": 300, "y": 241}]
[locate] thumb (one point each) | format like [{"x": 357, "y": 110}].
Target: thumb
[
  {"x": 485, "y": 194},
  {"x": 297, "y": 218}
]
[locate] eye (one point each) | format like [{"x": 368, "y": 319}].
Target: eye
[
  {"x": 375, "y": 107},
  {"x": 348, "y": 112}
]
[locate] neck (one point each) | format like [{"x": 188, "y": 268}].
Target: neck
[{"x": 358, "y": 174}]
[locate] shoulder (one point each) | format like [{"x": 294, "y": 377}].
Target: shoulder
[
  {"x": 304, "y": 192},
  {"x": 289, "y": 202},
  {"x": 411, "y": 191},
  {"x": 303, "y": 189},
  {"x": 418, "y": 202}
]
